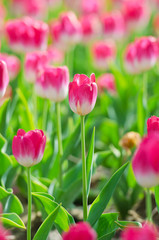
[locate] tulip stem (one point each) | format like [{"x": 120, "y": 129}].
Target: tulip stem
[
  {"x": 29, "y": 204},
  {"x": 84, "y": 176},
  {"x": 45, "y": 111},
  {"x": 148, "y": 205},
  {"x": 59, "y": 136}
]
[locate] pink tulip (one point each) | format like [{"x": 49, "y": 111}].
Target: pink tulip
[
  {"x": 26, "y": 34},
  {"x": 91, "y": 27},
  {"x": 106, "y": 82},
  {"x": 146, "y": 161},
  {"x": 82, "y": 94},
  {"x": 136, "y": 14},
  {"x": 66, "y": 31},
  {"x": 113, "y": 25},
  {"x": 141, "y": 55},
  {"x": 153, "y": 125},
  {"x": 28, "y": 147},
  {"x": 147, "y": 232},
  {"x": 103, "y": 54},
  {"x": 34, "y": 64},
  {"x": 90, "y": 6},
  {"x": 80, "y": 231},
  {"x": 13, "y": 64},
  {"x": 4, "y": 78},
  {"x": 55, "y": 56},
  {"x": 53, "y": 83}
]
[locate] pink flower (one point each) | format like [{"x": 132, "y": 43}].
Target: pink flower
[
  {"x": 107, "y": 82},
  {"x": 153, "y": 125},
  {"x": 91, "y": 27},
  {"x": 147, "y": 232},
  {"x": 4, "y": 78},
  {"x": 34, "y": 63},
  {"x": 90, "y": 6},
  {"x": 113, "y": 25},
  {"x": 80, "y": 231},
  {"x": 82, "y": 94},
  {"x": 55, "y": 55},
  {"x": 13, "y": 64},
  {"x": 146, "y": 161},
  {"x": 66, "y": 31},
  {"x": 26, "y": 34},
  {"x": 136, "y": 14},
  {"x": 53, "y": 83},
  {"x": 28, "y": 147},
  {"x": 141, "y": 55},
  {"x": 103, "y": 53}
]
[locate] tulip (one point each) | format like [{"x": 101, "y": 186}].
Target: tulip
[
  {"x": 113, "y": 25},
  {"x": 4, "y": 78},
  {"x": 141, "y": 55},
  {"x": 104, "y": 54},
  {"x": 107, "y": 82},
  {"x": 90, "y": 6},
  {"x": 82, "y": 94},
  {"x": 53, "y": 83},
  {"x": 13, "y": 64},
  {"x": 153, "y": 125},
  {"x": 147, "y": 232},
  {"x": 136, "y": 14},
  {"x": 66, "y": 31},
  {"x": 82, "y": 98},
  {"x": 26, "y": 34},
  {"x": 80, "y": 231},
  {"x": 91, "y": 27},
  {"x": 28, "y": 149},
  {"x": 35, "y": 63}
]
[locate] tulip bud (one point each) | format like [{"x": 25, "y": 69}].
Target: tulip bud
[
  {"x": 4, "y": 78},
  {"x": 107, "y": 82},
  {"x": 153, "y": 125},
  {"x": 82, "y": 94},
  {"x": 147, "y": 232},
  {"x": 26, "y": 34},
  {"x": 104, "y": 54},
  {"x": 28, "y": 147},
  {"x": 13, "y": 64},
  {"x": 146, "y": 161},
  {"x": 80, "y": 231},
  {"x": 53, "y": 83}
]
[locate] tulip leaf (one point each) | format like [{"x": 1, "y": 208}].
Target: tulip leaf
[
  {"x": 5, "y": 162},
  {"x": 12, "y": 220},
  {"x": 46, "y": 226},
  {"x": 124, "y": 224},
  {"x": 63, "y": 219},
  {"x": 101, "y": 201},
  {"x": 5, "y": 193},
  {"x": 9, "y": 176},
  {"x": 2, "y": 141},
  {"x": 157, "y": 197},
  {"x": 140, "y": 113},
  {"x": 13, "y": 205}
]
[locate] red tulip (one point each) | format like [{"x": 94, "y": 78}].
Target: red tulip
[
  {"x": 82, "y": 94},
  {"x": 53, "y": 83},
  {"x": 80, "y": 231},
  {"x": 146, "y": 161},
  {"x": 153, "y": 125},
  {"x": 4, "y": 78},
  {"x": 103, "y": 53},
  {"x": 26, "y": 34},
  {"x": 107, "y": 82},
  {"x": 28, "y": 147},
  {"x": 147, "y": 232}
]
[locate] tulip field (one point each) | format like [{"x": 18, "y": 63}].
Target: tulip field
[{"x": 79, "y": 119}]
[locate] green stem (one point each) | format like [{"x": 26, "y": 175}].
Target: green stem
[
  {"x": 35, "y": 107},
  {"x": 59, "y": 136},
  {"x": 84, "y": 176},
  {"x": 148, "y": 205},
  {"x": 145, "y": 94},
  {"x": 45, "y": 110},
  {"x": 29, "y": 204}
]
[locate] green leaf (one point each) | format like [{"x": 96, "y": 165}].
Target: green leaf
[
  {"x": 5, "y": 193},
  {"x": 2, "y": 141},
  {"x": 106, "y": 224},
  {"x": 63, "y": 219},
  {"x": 89, "y": 161},
  {"x": 12, "y": 220},
  {"x": 9, "y": 176},
  {"x": 124, "y": 224},
  {"x": 46, "y": 226},
  {"x": 140, "y": 113},
  {"x": 3, "y": 116},
  {"x": 104, "y": 196},
  {"x": 157, "y": 197},
  {"x": 5, "y": 162},
  {"x": 13, "y": 205}
]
